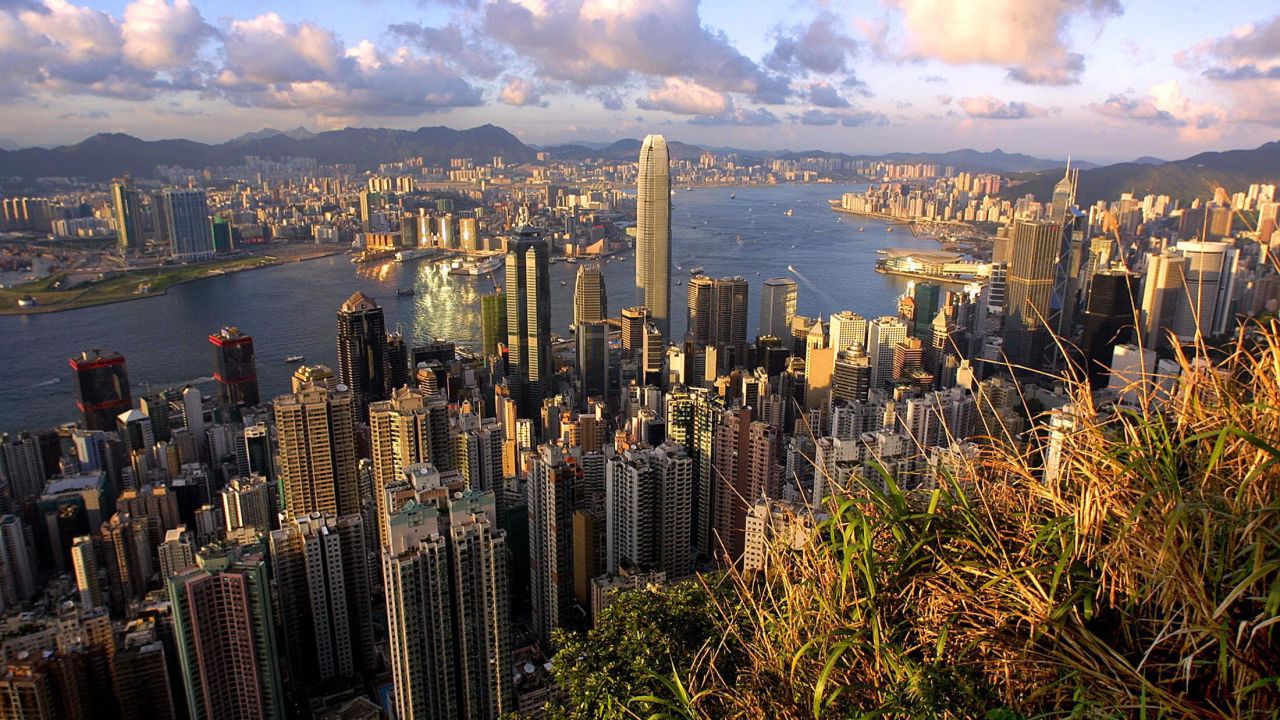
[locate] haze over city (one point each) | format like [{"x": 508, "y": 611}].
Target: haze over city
[{"x": 1101, "y": 79}]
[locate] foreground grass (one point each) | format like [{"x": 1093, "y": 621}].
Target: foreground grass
[{"x": 1143, "y": 581}]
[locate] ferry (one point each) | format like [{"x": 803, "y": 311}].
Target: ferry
[
  {"x": 293, "y": 359},
  {"x": 480, "y": 267},
  {"x": 404, "y": 292},
  {"x": 695, "y": 270}
]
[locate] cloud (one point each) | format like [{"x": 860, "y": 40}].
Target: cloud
[
  {"x": 741, "y": 116},
  {"x": 163, "y": 36},
  {"x": 1246, "y": 65},
  {"x": 521, "y": 92},
  {"x": 823, "y": 94},
  {"x": 277, "y": 64},
  {"x": 1166, "y": 105},
  {"x": 86, "y": 115},
  {"x": 990, "y": 108},
  {"x": 680, "y": 96},
  {"x": 1027, "y": 37},
  {"x": 819, "y": 47},
  {"x": 463, "y": 46},
  {"x": 604, "y": 43},
  {"x": 847, "y": 118}
]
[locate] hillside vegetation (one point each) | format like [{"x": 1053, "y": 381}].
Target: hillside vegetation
[{"x": 1143, "y": 580}]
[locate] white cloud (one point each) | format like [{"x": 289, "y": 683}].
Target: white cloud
[
  {"x": 1028, "y": 37},
  {"x": 1246, "y": 65},
  {"x": 684, "y": 97},
  {"x": 159, "y": 35},
  {"x": 520, "y": 92},
  {"x": 821, "y": 46}
]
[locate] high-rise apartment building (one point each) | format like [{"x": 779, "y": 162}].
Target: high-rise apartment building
[
  {"x": 445, "y": 570},
  {"x": 846, "y": 330},
  {"x": 249, "y": 501},
  {"x": 362, "y": 351},
  {"x": 315, "y": 430},
  {"x": 649, "y": 510},
  {"x": 777, "y": 307},
  {"x": 322, "y": 585},
  {"x": 409, "y": 429},
  {"x": 653, "y": 231},
  {"x": 883, "y": 334},
  {"x": 235, "y": 368},
  {"x": 529, "y": 319},
  {"x": 551, "y": 505},
  {"x": 84, "y": 565},
  {"x": 226, "y": 636},
  {"x": 102, "y": 388},
  {"x": 186, "y": 217}
]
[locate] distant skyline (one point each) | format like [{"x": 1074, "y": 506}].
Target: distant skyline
[{"x": 1103, "y": 80}]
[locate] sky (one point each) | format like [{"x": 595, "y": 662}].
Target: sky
[{"x": 1102, "y": 80}]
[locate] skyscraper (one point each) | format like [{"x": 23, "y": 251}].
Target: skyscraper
[
  {"x": 409, "y": 429},
  {"x": 102, "y": 388},
  {"x": 127, "y": 208},
  {"x": 634, "y": 320},
  {"x": 847, "y": 330},
  {"x": 653, "y": 231},
  {"x": 362, "y": 351},
  {"x": 186, "y": 214},
  {"x": 718, "y": 318},
  {"x": 777, "y": 307},
  {"x": 1109, "y": 320},
  {"x": 226, "y": 637},
  {"x": 529, "y": 319},
  {"x": 1163, "y": 293},
  {"x": 1037, "y": 292},
  {"x": 882, "y": 335},
  {"x": 446, "y": 576},
  {"x": 1210, "y": 279},
  {"x": 315, "y": 430},
  {"x": 649, "y": 510},
  {"x": 590, "y": 303},
  {"x": 493, "y": 323},
  {"x": 235, "y": 368},
  {"x": 550, "y": 493}
]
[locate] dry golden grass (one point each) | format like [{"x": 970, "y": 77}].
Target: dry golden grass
[{"x": 1143, "y": 581}]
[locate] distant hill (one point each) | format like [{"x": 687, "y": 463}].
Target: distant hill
[
  {"x": 298, "y": 133},
  {"x": 105, "y": 156},
  {"x": 7, "y": 144},
  {"x": 626, "y": 149},
  {"x": 1148, "y": 160},
  {"x": 1186, "y": 179}
]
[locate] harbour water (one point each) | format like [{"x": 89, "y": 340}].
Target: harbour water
[{"x": 290, "y": 309}]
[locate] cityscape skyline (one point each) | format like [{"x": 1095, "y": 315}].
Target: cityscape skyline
[{"x": 858, "y": 77}]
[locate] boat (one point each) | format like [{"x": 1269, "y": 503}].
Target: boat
[
  {"x": 480, "y": 267},
  {"x": 792, "y": 269},
  {"x": 572, "y": 261},
  {"x": 404, "y": 292},
  {"x": 733, "y": 195},
  {"x": 564, "y": 284},
  {"x": 695, "y": 270},
  {"x": 27, "y": 301},
  {"x": 789, "y": 212},
  {"x": 412, "y": 254},
  {"x": 293, "y": 359},
  {"x": 889, "y": 229},
  {"x": 679, "y": 281},
  {"x": 860, "y": 228}
]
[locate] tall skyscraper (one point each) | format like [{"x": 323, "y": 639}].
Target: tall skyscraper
[
  {"x": 446, "y": 576},
  {"x": 186, "y": 215},
  {"x": 315, "y": 429},
  {"x": 777, "y": 307},
  {"x": 127, "y": 208},
  {"x": 653, "y": 231},
  {"x": 847, "y": 330},
  {"x": 529, "y": 319},
  {"x": 102, "y": 388},
  {"x": 718, "y": 318},
  {"x": 1164, "y": 292},
  {"x": 1037, "y": 291},
  {"x": 590, "y": 302},
  {"x": 634, "y": 320},
  {"x": 22, "y": 466},
  {"x": 84, "y": 564},
  {"x": 362, "y": 351},
  {"x": 235, "y": 368},
  {"x": 1210, "y": 279},
  {"x": 1109, "y": 320},
  {"x": 226, "y": 636},
  {"x": 322, "y": 584}
]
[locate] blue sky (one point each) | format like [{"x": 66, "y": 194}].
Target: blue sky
[{"x": 1097, "y": 79}]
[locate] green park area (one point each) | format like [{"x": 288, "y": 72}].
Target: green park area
[{"x": 51, "y": 295}]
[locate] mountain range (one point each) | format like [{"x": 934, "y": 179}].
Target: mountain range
[
  {"x": 1193, "y": 177},
  {"x": 109, "y": 155}
]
